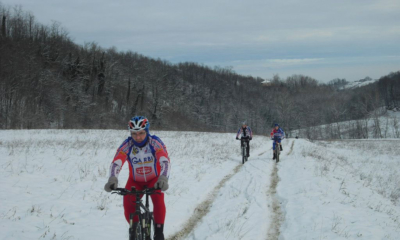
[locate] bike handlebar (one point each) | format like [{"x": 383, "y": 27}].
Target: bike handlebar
[
  {"x": 124, "y": 191},
  {"x": 243, "y": 138}
]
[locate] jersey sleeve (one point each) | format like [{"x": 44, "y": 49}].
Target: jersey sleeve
[
  {"x": 251, "y": 132},
  {"x": 239, "y": 132},
  {"x": 119, "y": 159},
  {"x": 161, "y": 154}
]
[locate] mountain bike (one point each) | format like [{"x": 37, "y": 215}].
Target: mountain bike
[
  {"x": 144, "y": 230},
  {"x": 243, "y": 146},
  {"x": 277, "y": 150}
]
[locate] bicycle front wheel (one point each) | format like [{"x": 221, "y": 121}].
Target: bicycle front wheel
[
  {"x": 243, "y": 155},
  {"x": 149, "y": 227},
  {"x": 135, "y": 231}
]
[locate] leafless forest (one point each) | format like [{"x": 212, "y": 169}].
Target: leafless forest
[{"x": 48, "y": 81}]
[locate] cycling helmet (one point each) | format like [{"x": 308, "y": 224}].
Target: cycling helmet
[
  {"x": 244, "y": 123},
  {"x": 138, "y": 123},
  {"x": 276, "y": 125}
]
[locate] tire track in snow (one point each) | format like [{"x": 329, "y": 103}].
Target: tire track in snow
[
  {"x": 203, "y": 208},
  {"x": 291, "y": 148},
  {"x": 278, "y": 217}
]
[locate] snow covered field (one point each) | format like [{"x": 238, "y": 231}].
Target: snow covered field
[
  {"x": 341, "y": 190},
  {"x": 52, "y": 187},
  {"x": 385, "y": 124}
]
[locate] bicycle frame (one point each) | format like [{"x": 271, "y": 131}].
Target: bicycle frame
[
  {"x": 243, "y": 143},
  {"x": 141, "y": 230},
  {"x": 143, "y": 216}
]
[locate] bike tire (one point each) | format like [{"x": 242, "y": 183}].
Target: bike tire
[
  {"x": 134, "y": 234},
  {"x": 150, "y": 227},
  {"x": 243, "y": 155},
  {"x": 143, "y": 222},
  {"x": 278, "y": 152},
  {"x": 246, "y": 158}
]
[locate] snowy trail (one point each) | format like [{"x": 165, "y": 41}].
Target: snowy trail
[
  {"x": 202, "y": 209},
  {"x": 244, "y": 207},
  {"x": 240, "y": 210},
  {"x": 278, "y": 215}
]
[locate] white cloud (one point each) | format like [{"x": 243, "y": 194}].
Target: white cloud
[{"x": 294, "y": 61}]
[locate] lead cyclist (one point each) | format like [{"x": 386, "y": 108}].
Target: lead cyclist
[{"x": 149, "y": 166}]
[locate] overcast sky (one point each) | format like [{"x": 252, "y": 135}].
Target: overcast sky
[{"x": 323, "y": 39}]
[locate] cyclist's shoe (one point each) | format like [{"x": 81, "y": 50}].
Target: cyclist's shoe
[{"x": 159, "y": 232}]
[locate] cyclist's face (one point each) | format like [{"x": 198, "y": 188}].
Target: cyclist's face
[
  {"x": 139, "y": 136},
  {"x": 276, "y": 127}
]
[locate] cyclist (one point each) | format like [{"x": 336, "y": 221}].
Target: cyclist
[
  {"x": 149, "y": 166},
  {"x": 277, "y": 135},
  {"x": 246, "y": 134}
]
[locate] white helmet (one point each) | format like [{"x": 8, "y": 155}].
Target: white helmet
[{"x": 138, "y": 123}]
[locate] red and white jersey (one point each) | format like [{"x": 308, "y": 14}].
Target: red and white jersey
[
  {"x": 280, "y": 134},
  {"x": 145, "y": 163}
]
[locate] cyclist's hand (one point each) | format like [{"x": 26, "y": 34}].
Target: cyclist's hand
[
  {"x": 162, "y": 183},
  {"x": 237, "y": 138},
  {"x": 111, "y": 184},
  {"x": 251, "y": 139}
]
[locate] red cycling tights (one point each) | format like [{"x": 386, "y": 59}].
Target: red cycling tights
[{"x": 157, "y": 199}]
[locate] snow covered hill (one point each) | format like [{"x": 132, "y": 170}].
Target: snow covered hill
[
  {"x": 382, "y": 124},
  {"x": 52, "y": 187},
  {"x": 359, "y": 83}
]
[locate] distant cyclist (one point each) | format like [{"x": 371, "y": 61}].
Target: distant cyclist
[
  {"x": 277, "y": 135},
  {"x": 149, "y": 166},
  {"x": 246, "y": 134}
]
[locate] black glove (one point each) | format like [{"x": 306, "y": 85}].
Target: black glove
[
  {"x": 251, "y": 138},
  {"x": 237, "y": 138}
]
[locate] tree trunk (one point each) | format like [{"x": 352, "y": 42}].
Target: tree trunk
[{"x": 3, "y": 27}]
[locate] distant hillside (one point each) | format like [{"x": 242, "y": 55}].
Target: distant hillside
[{"x": 48, "y": 81}]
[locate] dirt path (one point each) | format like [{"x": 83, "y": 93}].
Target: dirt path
[
  {"x": 277, "y": 217},
  {"x": 203, "y": 208},
  {"x": 291, "y": 148}
]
